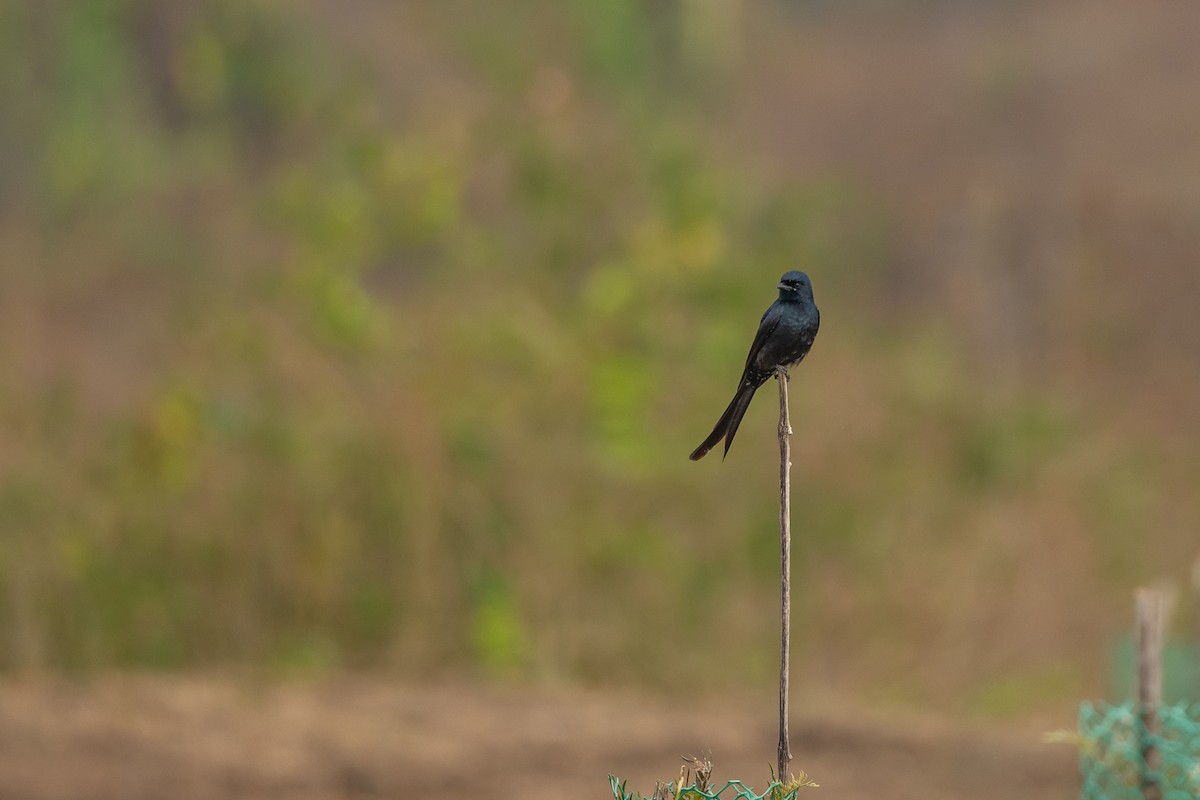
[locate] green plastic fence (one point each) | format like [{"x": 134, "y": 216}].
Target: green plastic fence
[
  {"x": 737, "y": 791},
  {"x": 1112, "y": 738}
]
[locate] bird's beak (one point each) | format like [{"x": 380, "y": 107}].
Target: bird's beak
[{"x": 784, "y": 286}]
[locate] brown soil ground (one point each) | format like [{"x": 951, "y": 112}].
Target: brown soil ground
[{"x": 134, "y": 738}]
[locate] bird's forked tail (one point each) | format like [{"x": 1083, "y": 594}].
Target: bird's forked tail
[{"x": 727, "y": 425}]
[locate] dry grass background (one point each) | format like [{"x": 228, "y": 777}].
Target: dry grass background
[{"x": 374, "y": 336}]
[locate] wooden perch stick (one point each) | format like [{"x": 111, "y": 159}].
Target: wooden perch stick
[{"x": 785, "y": 559}]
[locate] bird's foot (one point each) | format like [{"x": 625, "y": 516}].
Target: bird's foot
[{"x": 782, "y": 374}]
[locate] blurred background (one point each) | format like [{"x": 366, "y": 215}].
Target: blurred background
[{"x": 373, "y": 336}]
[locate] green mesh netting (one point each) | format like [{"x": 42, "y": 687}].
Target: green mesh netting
[
  {"x": 737, "y": 791},
  {"x": 1112, "y": 739}
]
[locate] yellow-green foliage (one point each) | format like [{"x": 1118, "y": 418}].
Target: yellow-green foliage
[{"x": 332, "y": 341}]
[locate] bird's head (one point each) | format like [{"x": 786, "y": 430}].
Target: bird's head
[{"x": 794, "y": 285}]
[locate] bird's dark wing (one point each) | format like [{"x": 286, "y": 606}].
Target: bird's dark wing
[{"x": 767, "y": 326}]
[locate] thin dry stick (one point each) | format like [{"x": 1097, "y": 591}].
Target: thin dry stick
[
  {"x": 785, "y": 560},
  {"x": 1149, "y": 622}
]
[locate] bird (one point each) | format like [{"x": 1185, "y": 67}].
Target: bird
[{"x": 785, "y": 335}]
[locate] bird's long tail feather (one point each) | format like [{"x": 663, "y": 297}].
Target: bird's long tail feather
[{"x": 728, "y": 424}]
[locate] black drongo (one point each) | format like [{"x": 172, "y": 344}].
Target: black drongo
[{"x": 785, "y": 334}]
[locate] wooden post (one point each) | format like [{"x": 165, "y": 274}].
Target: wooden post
[
  {"x": 1149, "y": 622},
  {"x": 785, "y": 560}
]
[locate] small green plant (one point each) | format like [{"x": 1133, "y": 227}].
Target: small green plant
[{"x": 695, "y": 783}]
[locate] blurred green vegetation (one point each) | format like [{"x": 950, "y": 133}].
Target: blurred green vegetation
[{"x": 379, "y": 339}]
